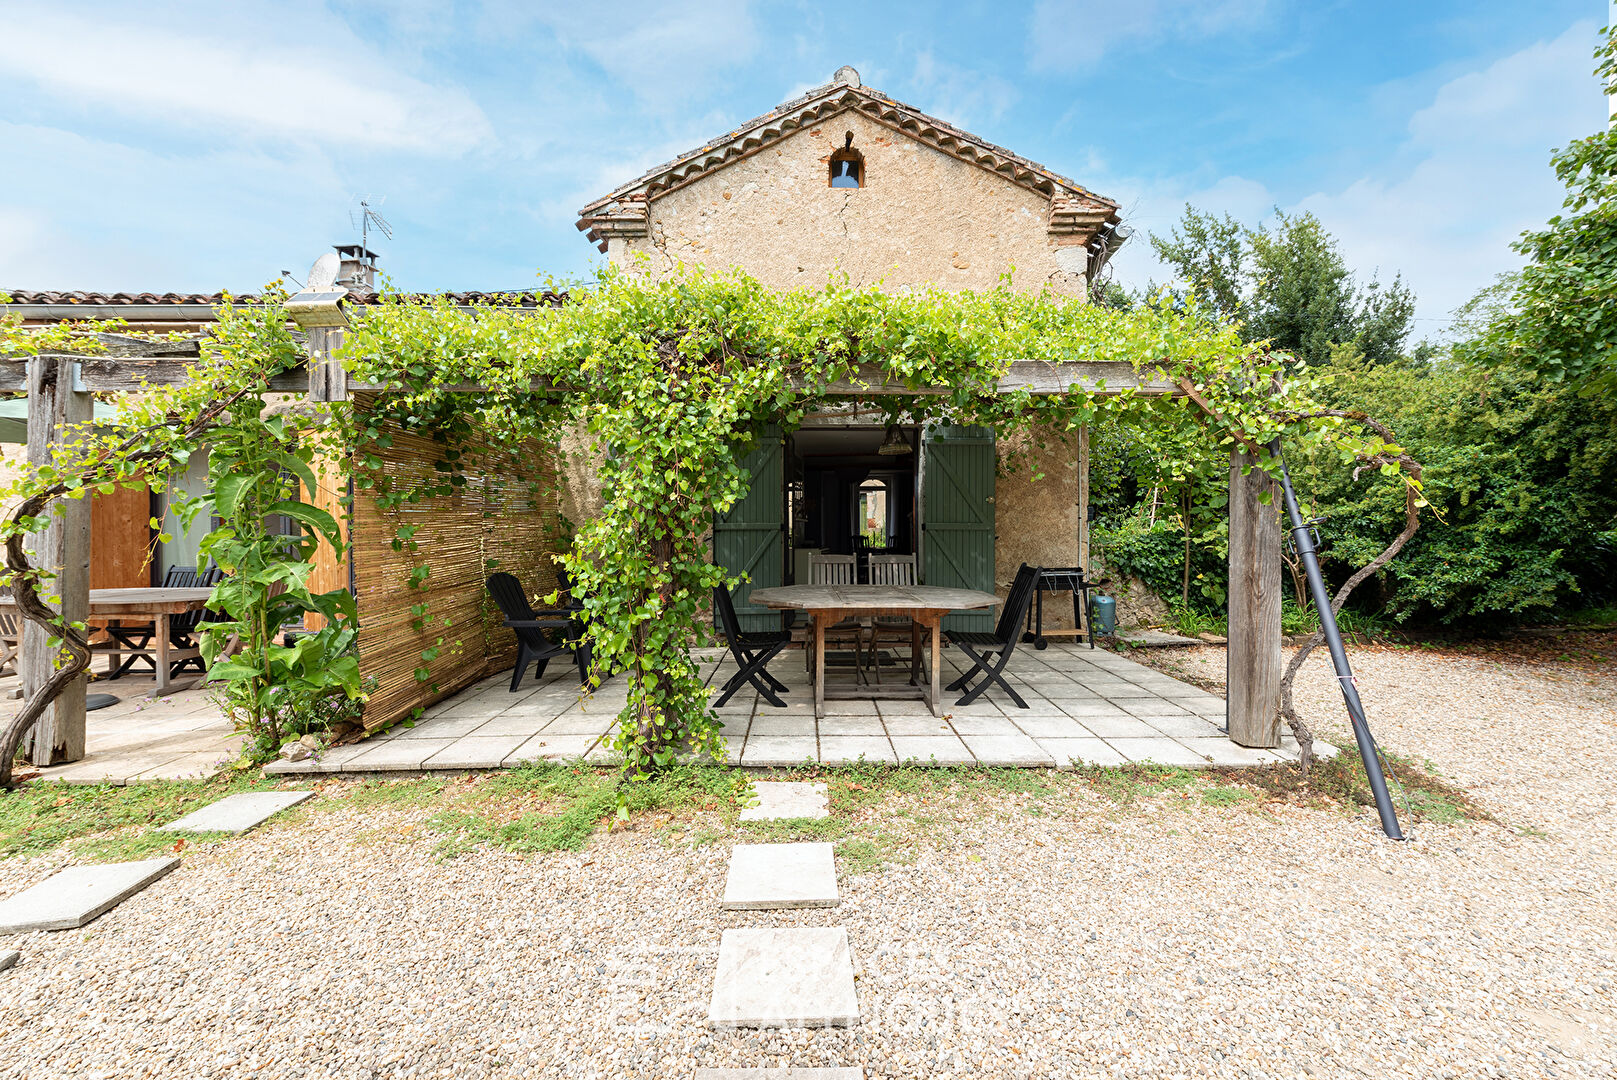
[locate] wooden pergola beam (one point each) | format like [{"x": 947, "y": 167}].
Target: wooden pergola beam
[{"x": 125, "y": 374}]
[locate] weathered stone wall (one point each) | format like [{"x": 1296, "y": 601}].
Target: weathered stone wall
[
  {"x": 922, "y": 217},
  {"x": 1036, "y": 521}
]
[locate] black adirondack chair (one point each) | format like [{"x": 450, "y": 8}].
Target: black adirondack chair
[
  {"x": 181, "y": 627},
  {"x": 541, "y": 635},
  {"x": 751, "y": 651},
  {"x": 991, "y": 652}
]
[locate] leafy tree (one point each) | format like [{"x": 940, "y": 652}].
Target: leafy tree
[
  {"x": 1288, "y": 285},
  {"x": 1561, "y": 316},
  {"x": 1522, "y": 474}
]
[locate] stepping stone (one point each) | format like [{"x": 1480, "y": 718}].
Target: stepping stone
[
  {"x": 779, "y": 799},
  {"x": 237, "y": 813},
  {"x": 72, "y": 897},
  {"x": 799, "y": 977},
  {"x": 780, "y": 1074},
  {"x": 8, "y": 960},
  {"x": 781, "y": 876}
]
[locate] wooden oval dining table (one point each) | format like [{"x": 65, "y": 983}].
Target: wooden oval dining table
[{"x": 924, "y": 605}]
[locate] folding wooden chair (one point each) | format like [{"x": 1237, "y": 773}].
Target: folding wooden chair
[
  {"x": 991, "y": 652},
  {"x": 751, "y": 651}
]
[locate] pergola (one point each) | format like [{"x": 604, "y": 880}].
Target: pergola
[{"x": 61, "y": 386}]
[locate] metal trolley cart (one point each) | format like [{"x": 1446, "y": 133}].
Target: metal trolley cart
[{"x": 1054, "y": 579}]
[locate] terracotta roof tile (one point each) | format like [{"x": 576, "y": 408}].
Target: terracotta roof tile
[{"x": 121, "y": 299}]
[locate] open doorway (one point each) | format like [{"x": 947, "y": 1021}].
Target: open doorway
[{"x": 850, "y": 491}]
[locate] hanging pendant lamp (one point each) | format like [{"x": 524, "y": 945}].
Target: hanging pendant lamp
[{"x": 895, "y": 443}]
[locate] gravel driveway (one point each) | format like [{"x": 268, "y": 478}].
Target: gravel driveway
[{"x": 1055, "y": 937}]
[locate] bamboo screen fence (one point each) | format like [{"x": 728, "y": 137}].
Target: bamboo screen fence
[{"x": 505, "y": 517}]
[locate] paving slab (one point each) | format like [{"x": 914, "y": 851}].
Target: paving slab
[
  {"x": 552, "y": 748},
  {"x": 846, "y": 749},
  {"x": 781, "y": 876},
  {"x": 1221, "y": 751},
  {"x": 475, "y": 752},
  {"x": 1184, "y": 727},
  {"x": 917, "y": 725},
  {"x": 866, "y": 723},
  {"x": 998, "y": 724},
  {"x": 1052, "y": 727},
  {"x": 779, "y": 799},
  {"x": 1081, "y": 751},
  {"x": 1160, "y": 750},
  {"x": 784, "y": 977},
  {"x": 774, "y": 725},
  {"x": 392, "y": 754},
  {"x": 780, "y": 1074},
  {"x": 1118, "y": 727},
  {"x": 1000, "y": 750},
  {"x": 72, "y": 897},
  {"x": 932, "y": 750},
  {"x": 237, "y": 813},
  {"x": 778, "y": 749}
]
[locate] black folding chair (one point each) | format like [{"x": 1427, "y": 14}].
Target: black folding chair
[
  {"x": 991, "y": 652},
  {"x": 541, "y": 635},
  {"x": 751, "y": 651}
]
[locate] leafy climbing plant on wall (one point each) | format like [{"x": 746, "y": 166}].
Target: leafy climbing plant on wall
[{"x": 673, "y": 380}]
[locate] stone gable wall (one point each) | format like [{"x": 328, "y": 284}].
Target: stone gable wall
[{"x": 922, "y": 216}]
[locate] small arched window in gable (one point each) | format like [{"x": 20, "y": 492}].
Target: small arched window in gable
[{"x": 848, "y": 166}]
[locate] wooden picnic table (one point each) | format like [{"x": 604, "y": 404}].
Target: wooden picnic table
[
  {"x": 154, "y": 605},
  {"x": 924, "y": 605}
]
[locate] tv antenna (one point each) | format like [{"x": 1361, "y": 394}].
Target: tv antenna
[{"x": 364, "y": 218}]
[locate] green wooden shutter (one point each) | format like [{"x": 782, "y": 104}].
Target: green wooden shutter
[
  {"x": 957, "y": 516},
  {"x": 751, "y": 538}
]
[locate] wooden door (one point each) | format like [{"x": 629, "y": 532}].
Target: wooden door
[
  {"x": 957, "y": 516},
  {"x": 751, "y": 538}
]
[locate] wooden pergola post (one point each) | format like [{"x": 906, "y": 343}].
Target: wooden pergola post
[
  {"x": 55, "y": 408},
  {"x": 1254, "y": 667}
]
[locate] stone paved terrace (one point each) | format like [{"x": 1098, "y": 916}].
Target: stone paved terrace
[
  {"x": 1086, "y": 705},
  {"x": 1090, "y": 706},
  {"x": 176, "y": 737}
]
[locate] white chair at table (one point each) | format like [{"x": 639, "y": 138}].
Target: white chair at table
[
  {"x": 840, "y": 570},
  {"x": 889, "y": 570}
]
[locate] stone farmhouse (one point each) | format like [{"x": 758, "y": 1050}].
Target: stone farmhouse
[{"x": 846, "y": 180}]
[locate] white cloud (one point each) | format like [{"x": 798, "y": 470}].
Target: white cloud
[
  {"x": 1472, "y": 174},
  {"x": 322, "y": 83},
  {"x": 110, "y": 217},
  {"x": 1069, "y": 34},
  {"x": 665, "y": 52},
  {"x": 959, "y": 95}
]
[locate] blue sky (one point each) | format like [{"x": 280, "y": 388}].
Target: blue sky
[{"x": 195, "y": 146}]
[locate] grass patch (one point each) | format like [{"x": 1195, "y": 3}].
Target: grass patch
[
  {"x": 1418, "y": 792},
  {"x": 1131, "y": 783},
  {"x": 544, "y": 807},
  {"x": 107, "y": 822},
  {"x": 1338, "y": 784},
  {"x": 414, "y": 791}
]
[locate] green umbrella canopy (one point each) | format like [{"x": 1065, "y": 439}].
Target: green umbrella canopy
[{"x": 14, "y": 418}]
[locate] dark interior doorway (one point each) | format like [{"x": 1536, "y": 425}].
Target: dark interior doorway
[{"x": 846, "y": 497}]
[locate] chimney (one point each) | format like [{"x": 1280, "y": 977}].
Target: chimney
[{"x": 357, "y": 272}]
